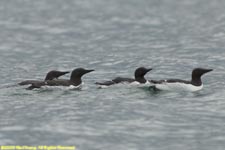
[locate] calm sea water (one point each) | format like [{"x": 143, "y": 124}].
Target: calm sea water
[{"x": 114, "y": 38}]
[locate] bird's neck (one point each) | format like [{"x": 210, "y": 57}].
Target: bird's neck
[
  {"x": 76, "y": 81},
  {"x": 140, "y": 79},
  {"x": 196, "y": 80}
]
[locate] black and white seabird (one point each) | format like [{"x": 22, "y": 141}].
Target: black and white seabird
[
  {"x": 75, "y": 80},
  {"x": 51, "y": 75},
  {"x": 195, "y": 84},
  {"x": 138, "y": 74}
]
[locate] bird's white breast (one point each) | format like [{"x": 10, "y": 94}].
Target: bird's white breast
[{"x": 178, "y": 87}]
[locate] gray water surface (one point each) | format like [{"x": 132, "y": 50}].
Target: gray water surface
[{"x": 113, "y": 37}]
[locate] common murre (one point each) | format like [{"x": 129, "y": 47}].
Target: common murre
[
  {"x": 75, "y": 80},
  {"x": 51, "y": 75},
  {"x": 138, "y": 74},
  {"x": 195, "y": 84}
]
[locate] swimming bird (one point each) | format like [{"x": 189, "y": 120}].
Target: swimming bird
[
  {"x": 195, "y": 84},
  {"x": 138, "y": 74},
  {"x": 75, "y": 80},
  {"x": 51, "y": 75}
]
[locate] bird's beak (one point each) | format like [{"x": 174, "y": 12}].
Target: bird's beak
[
  {"x": 149, "y": 69},
  {"x": 87, "y": 71},
  {"x": 65, "y": 72},
  {"x": 208, "y": 70}
]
